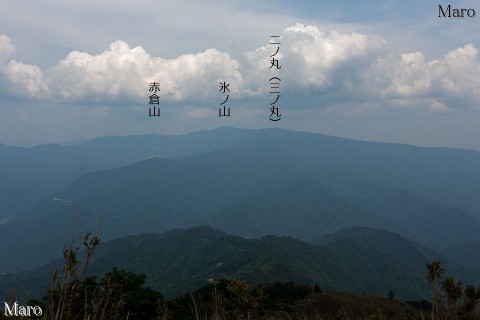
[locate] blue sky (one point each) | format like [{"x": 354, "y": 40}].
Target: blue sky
[{"x": 372, "y": 70}]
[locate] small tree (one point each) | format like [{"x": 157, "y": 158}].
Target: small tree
[
  {"x": 118, "y": 295},
  {"x": 390, "y": 295},
  {"x": 471, "y": 297},
  {"x": 244, "y": 304},
  {"x": 435, "y": 272},
  {"x": 453, "y": 293},
  {"x": 125, "y": 289},
  {"x": 64, "y": 294}
]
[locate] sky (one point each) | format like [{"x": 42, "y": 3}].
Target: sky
[{"x": 389, "y": 71}]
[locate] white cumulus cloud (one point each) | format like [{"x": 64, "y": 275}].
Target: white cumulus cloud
[
  {"x": 444, "y": 84},
  {"x": 410, "y": 76},
  {"x": 459, "y": 72},
  {"x": 27, "y": 80},
  {"x": 117, "y": 72},
  {"x": 314, "y": 60},
  {"x": 17, "y": 77},
  {"x": 121, "y": 72},
  {"x": 6, "y": 47}
]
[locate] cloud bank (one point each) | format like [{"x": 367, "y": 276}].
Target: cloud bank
[{"x": 338, "y": 68}]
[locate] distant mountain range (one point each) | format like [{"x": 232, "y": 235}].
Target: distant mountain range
[
  {"x": 29, "y": 174},
  {"x": 248, "y": 183},
  {"x": 358, "y": 259},
  {"x": 302, "y": 208}
]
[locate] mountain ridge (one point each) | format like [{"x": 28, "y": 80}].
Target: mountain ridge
[{"x": 180, "y": 261}]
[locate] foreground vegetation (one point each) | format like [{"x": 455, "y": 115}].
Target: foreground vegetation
[{"x": 121, "y": 294}]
